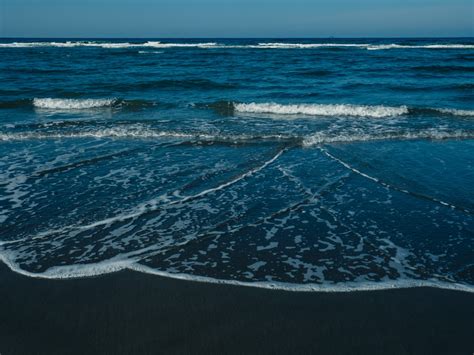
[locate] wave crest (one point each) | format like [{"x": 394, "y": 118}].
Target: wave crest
[
  {"x": 430, "y": 134},
  {"x": 262, "y": 45},
  {"x": 72, "y": 104},
  {"x": 322, "y": 110},
  {"x": 111, "y": 45}
]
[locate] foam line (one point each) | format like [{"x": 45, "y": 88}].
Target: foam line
[
  {"x": 143, "y": 209},
  {"x": 322, "y": 138},
  {"x": 111, "y": 266},
  {"x": 392, "y": 187}
]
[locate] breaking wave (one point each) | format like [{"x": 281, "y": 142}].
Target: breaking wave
[
  {"x": 262, "y": 45},
  {"x": 229, "y": 108},
  {"x": 428, "y": 46},
  {"x": 72, "y": 104},
  {"x": 111, "y": 45},
  {"x": 140, "y": 132},
  {"x": 80, "y": 104},
  {"x": 318, "y": 138},
  {"x": 425, "y": 134},
  {"x": 322, "y": 110}
]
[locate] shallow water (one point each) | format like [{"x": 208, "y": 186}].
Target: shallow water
[{"x": 303, "y": 164}]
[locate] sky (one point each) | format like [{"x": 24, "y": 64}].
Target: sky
[{"x": 236, "y": 18}]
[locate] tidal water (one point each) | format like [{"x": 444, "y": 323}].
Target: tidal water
[{"x": 324, "y": 165}]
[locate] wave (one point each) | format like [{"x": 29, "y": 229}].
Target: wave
[
  {"x": 456, "y": 112},
  {"x": 278, "y": 45},
  {"x": 180, "y": 45},
  {"x": 426, "y": 134},
  {"x": 72, "y": 104},
  {"x": 229, "y": 108},
  {"x": 116, "y": 264},
  {"x": 111, "y": 45},
  {"x": 116, "y": 132},
  {"x": 140, "y": 132},
  {"x": 262, "y": 45},
  {"x": 322, "y": 110},
  {"x": 360, "y": 45},
  {"x": 315, "y": 139},
  {"x": 79, "y": 104},
  {"x": 427, "y": 46}
]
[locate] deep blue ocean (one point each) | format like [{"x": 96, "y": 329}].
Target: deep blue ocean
[{"x": 325, "y": 165}]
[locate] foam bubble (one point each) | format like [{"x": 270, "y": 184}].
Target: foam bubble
[
  {"x": 263, "y": 45},
  {"x": 309, "y": 45},
  {"x": 322, "y": 110},
  {"x": 115, "y": 132},
  {"x": 180, "y": 45},
  {"x": 140, "y": 132},
  {"x": 72, "y": 104},
  {"x": 325, "y": 138},
  {"x": 110, "y": 45},
  {"x": 115, "y": 264},
  {"x": 429, "y": 46},
  {"x": 456, "y": 112}
]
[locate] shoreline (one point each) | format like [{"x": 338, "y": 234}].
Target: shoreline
[
  {"x": 76, "y": 272},
  {"x": 130, "y": 312}
]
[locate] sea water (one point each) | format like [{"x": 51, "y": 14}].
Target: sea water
[{"x": 326, "y": 165}]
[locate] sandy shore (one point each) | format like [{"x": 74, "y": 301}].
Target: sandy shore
[{"x": 133, "y": 313}]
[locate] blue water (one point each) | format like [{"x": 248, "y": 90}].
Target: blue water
[{"x": 296, "y": 164}]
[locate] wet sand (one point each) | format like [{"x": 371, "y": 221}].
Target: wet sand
[{"x": 133, "y": 313}]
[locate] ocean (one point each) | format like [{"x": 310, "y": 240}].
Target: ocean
[{"x": 302, "y": 164}]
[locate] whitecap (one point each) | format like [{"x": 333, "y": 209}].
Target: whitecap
[
  {"x": 322, "y": 110},
  {"x": 429, "y": 46},
  {"x": 72, "y": 104},
  {"x": 326, "y": 138}
]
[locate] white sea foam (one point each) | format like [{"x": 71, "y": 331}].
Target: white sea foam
[
  {"x": 428, "y": 46},
  {"x": 309, "y": 45},
  {"x": 326, "y": 138},
  {"x": 111, "y": 45},
  {"x": 116, "y": 132},
  {"x": 456, "y": 112},
  {"x": 72, "y": 104},
  {"x": 179, "y": 45},
  {"x": 68, "y": 44},
  {"x": 360, "y": 45},
  {"x": 263, "y": 45},
  {"x": 116, "y": 264},
  {"x": 138, "y": 132},
  {"x": 321, "y": 110}
]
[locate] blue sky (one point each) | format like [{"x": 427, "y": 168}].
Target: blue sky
[{"x": 236, "y": 18}]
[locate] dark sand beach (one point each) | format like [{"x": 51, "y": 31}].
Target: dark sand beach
[{"x": 133, "y": 313}]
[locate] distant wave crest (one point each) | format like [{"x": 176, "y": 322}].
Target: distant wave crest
[
  {"x": 261, "y": 45},
  {"x": 428, "y": 46},
  {"x": 111, "y": 45}
]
